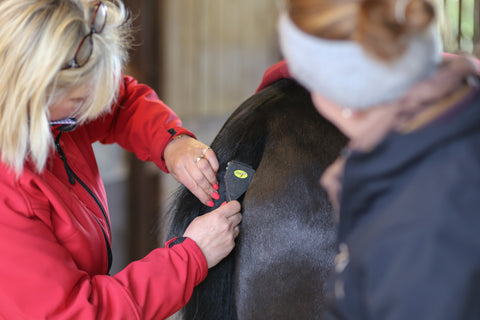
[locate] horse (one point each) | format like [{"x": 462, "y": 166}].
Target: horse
[{"x": 285, "y": 251}]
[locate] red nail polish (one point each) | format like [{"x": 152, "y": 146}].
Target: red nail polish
[
  {"x": 224, "y": 202},
  {"x": 210, "y": 203},
  {"x": 215, "y": 196},
  {"x": 215, "y": 186}
]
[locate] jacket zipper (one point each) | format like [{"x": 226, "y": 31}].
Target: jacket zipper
[{"x": 72, "y": 177}]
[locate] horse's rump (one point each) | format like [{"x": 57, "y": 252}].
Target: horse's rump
[{"x": 285, "y": 249}]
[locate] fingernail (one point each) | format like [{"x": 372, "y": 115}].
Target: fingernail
[
  {"x": 224, "y": 202},
  {"x": 210, "y": 203},
  {"x": 215, "y": 196},
  {"x": 215, "y": 186}
]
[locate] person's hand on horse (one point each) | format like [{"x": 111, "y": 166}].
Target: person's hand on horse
[
  {"x": 215, "y": 232},
  {"x": 193, "y": 164}
]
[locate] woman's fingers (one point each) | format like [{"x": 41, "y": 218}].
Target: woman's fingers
[
  {"x": 202, "y": 187},
  {"x": 215, "y": 231},
  {"x": 208, "y": 164},
  {"x": 194, "y": 164}
]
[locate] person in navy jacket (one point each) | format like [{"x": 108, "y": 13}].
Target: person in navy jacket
[{"x": 407, "y": 187}]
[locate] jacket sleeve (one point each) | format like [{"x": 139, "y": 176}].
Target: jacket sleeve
[
  {"x": 39, "y": 278},
  {"x": 139, "y": 122}
]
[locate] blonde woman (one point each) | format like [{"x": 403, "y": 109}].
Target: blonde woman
[
  {"x": 61, "y": 89},
  {"x": 407, "y": 187}
]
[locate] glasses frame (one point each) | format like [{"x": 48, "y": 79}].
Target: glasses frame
[{"x": 73, "y": 63}]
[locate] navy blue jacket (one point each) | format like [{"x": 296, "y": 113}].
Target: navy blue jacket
[{"x": 409, "y": 228}]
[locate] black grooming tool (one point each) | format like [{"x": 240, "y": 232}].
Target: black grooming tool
[{"x": 237, "y": 179}]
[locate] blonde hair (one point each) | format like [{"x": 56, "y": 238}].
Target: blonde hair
[
  {"x": 382, "y": 27},
  {"x": 37, "y": 38}
]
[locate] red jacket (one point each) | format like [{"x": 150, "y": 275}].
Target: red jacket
[
  {"x": 274, "y": 73},
  {"x": 54, "y": 236}
]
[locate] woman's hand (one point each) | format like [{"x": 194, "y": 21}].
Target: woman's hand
[
  {"x": 193, "y": 164},
  {"x": 215, "y": 232}
]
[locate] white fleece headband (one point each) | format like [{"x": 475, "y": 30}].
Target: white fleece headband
[{"x": 344, "y": 73}]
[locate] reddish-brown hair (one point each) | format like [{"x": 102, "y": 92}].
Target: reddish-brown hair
[{"x": 381, "y": 27}]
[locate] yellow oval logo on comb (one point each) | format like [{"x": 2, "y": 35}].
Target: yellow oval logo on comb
[{"x": 240, "y": 174}]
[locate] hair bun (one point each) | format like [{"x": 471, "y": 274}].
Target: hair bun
[
  {"x": 385, "y": 26},
  {"x": 417, "y": 14}
]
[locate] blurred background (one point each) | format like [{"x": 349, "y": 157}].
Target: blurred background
[{"x": 204, "y": 58}]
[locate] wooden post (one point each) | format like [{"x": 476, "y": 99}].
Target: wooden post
[
  {"x": 144, "y": 178},
  {"x": 459, "y": 35},
  {"x": 476, "y": 28}
]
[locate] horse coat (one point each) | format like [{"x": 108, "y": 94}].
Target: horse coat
[{"x": 285, "y": 249}]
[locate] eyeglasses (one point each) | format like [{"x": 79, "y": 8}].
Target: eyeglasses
[{"x": 85, "y": 48}]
